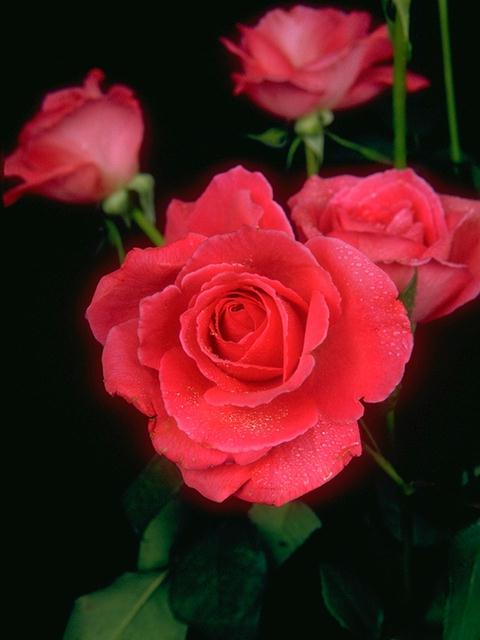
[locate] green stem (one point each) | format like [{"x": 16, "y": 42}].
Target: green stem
[
  {"x": 407, "y": 544},
  {"x": 311, "y": 160},
  {"x": 115, "y": 238},
  {"x": 390, "y": 420},
  {"x": 400, "y": 52},
  {"x": 363, "y": 424},
  {"x": 389, "y": 469},
  {"x": 147, "y": 227},
  {"x": 455, "y": 150}
]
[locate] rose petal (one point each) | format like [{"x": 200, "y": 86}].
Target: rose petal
[
  {"x": 62, "y": 184},
  {"x": 144, "y": 272},
  {"x": 266, "y": 253},
  {"x": 159, "y": 325},
  {"x": 441, "y": 287},
  {"x": 175, "y": 445},
  {"x": 288, "y": 471},
  {"x": 373, "y": 81},
  {"x": 229, "y": 428},
  {"x": 365, "y": 352},
  {"x": 232, "y": 199},
  {"x": 309, "y": 205},
  {"x": 380, "y": 247},
  {"x": 123, "y": 373}
]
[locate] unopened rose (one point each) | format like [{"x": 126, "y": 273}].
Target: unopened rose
[
  {"x": 82, "y": 146},
  {"x": 304, "y": 59},
  {"x": 250, "y": 353},
  {"x": 232, "y": 199},
  {"x": 400, "y": 223}
]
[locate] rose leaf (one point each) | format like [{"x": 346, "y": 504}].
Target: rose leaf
[
  {"x": 134, "y": 606},
  {"x": 284, "y": 529},
  {"x": 150, "y": 491},
  {"x": 351, "y": 601},
  {"x": 462, "y": 612},
  {"x": 218, "y": 581},
  {"x": 273, "y": 137},
  {"x": 158, "y": 537}
]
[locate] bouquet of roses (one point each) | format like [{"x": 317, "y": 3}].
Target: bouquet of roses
[{"x": 269, "y": 346}]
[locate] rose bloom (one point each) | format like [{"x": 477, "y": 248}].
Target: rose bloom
[
  {"x": 400, "y": 223},
  {"x": 304, "y": 59},
  {"x": 82, "y": 146},
  {"x": 250, "y": 351}
]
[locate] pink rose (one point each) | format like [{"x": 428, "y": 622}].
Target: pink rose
[
  {"x": 400, "y": 223},
  {"x": 232, "y": 199},
  {"x": 250, "y": 353},
  {"x": 82, "y": 146},
  {"x": 303, "y": 60}
]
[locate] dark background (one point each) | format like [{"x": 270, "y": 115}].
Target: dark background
[{"x": 75, "y": 449}]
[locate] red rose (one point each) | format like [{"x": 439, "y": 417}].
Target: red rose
[
  {"x": 302, "y": 60},
  {"x": 250, "y": 353},
  {"x": 400, "y": 223},
  {"x": 232, "y": 199},
  {"x": 82, "y": 146}
]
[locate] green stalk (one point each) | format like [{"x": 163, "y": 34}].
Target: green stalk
[
  {"x": 455, "y": 149},
  {"x": 147, "y": 227},
  {"x": 389, "y": 469},
  {"x": 311, "y": 161},
  {"x": 400, "y": 54},
  {"x": 382, "y": 462},
  {"x": 115, "y": 238}
]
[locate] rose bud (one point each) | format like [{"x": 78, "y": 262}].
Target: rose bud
[
  {"x": 304, "y": 59},
  {"x": 399, "y": 222},
  {"x": 251, "y": 352},
  {"x": 82, "y": 146}
]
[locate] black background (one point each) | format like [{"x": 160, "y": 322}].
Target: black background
[{"x": 76, "y": 449}]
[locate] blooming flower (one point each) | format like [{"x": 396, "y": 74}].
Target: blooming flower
[
  {"x": 249, "y": 351},
  {"x": 304, "y": 59},
  {"x": 400, "y": 223}
]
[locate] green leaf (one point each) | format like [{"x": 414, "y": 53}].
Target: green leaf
[
  {"x": 284, "y": 529},
  {"x": 366, "y": 152},
  {"x": 292, "y": 150},
  {"x": 351, "y": 602},
  {"x": 159, "y": 535},
  {"x": 273, "y": 137},
  {"x": 462, "y": 611},
  {"x": 151, "y": 490},
  {"x": 408, "y": 295},
  {"x": 424, "y": 533},
  {"x": 218, "y": 581},
  {"x": 135, "y": 606}
]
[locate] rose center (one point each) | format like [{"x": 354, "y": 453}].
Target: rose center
[{"x": 237, "y": 318}]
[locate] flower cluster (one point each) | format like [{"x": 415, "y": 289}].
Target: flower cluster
[{"x": 249, "y": 350}]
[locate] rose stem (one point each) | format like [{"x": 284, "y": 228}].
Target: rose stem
[
  {"x": 455, "y": 149},
  {"x": 407, "y": 534},
  {"x": 312, "y": 162},
  {"x": 147, "y": 227},
  {"x": 383, "y": 463},
  {"x": 400, "y": 49},
  {"x": 115, "y": 238}
]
